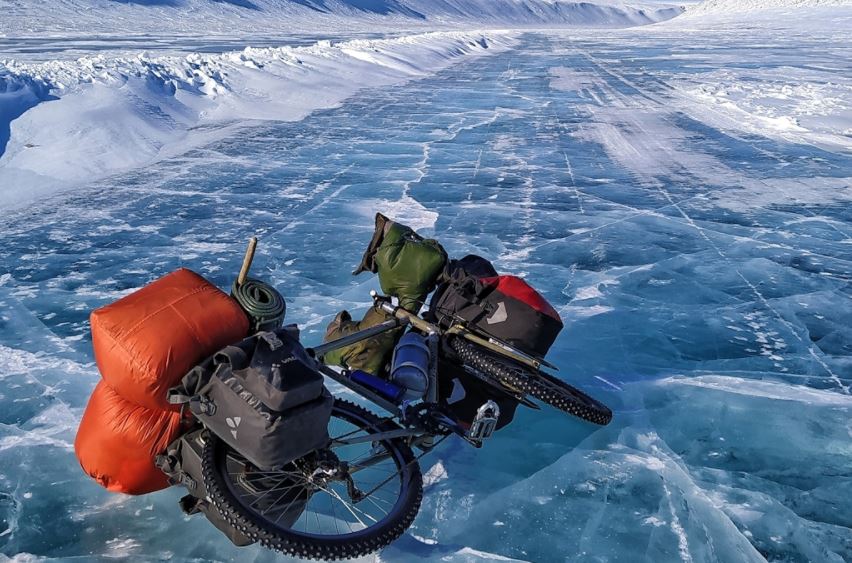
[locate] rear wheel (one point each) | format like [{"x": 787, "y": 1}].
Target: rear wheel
[
  {"x": 343, "y": 502},
  {"x": 537, "y": 384}
]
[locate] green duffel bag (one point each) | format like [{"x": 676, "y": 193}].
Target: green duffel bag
[
  {"x": 371, "y": 355},
  {"x": 408, "y": 265}
]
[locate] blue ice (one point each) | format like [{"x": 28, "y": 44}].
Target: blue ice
[{"x": 705, "y": 303}]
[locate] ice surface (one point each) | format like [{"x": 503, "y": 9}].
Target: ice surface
[{"x": 702, "y": 267}]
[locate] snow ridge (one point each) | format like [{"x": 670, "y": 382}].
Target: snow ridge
[
  {"x": 19, "y": 18},
  {"x": 112, "y": 114}
]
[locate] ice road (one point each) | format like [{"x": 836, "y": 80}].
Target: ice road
[{"x": 682, "y": 197}]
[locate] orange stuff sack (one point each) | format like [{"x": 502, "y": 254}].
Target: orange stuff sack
[
  {"x": 145, "y": 342},
  {"x": 118, "y": 441}
]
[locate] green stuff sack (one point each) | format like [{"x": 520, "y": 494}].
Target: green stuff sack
[
  {"x": 408, "y": 265},
  {"x": 371, "y": 355}
]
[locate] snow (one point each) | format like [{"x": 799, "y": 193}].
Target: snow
[
  {"x": 120, "y": 109},
  {"x": 784, "y": 102},
  {"x": 736, "y": 6},
  {"x": 118, "y": 114},
  {"x": 681, "y": 193},
  {"x": 104, "y": 19},
  {"x": 435, "y": 475}
]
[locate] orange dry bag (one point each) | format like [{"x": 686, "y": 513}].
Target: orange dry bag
[
  {"x": 145, "y": 342},
  {"x": 118, "y": 441}
]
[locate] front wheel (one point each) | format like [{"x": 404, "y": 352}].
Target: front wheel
[
  {"x": 342, "y": 502},
  {"x": 540, "y": 385}
]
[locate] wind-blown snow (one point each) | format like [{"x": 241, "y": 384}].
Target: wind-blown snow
[
  {"x": 117, "y": 114},
  {"x": 711, "y": 7},
  {"x": 163, "y": 17},
  {"x": 65, "y": 121}
]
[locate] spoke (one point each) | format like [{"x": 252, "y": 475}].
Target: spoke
[
  {"x": 271, "y": 489},
  {"x": 274, "y": 489},
  {"x": 370, "y": 498},
  {"x": 371, "y": 467},
  {"x": 401, "y": 469},
  {"x": 377, "y": 497},
  {"x": 351, "y": 433},
  {"x": 283, "y": 493},
  {"x": 369, "y": 452},
  {"x": 316, "y": 517},
  {"x": 349, "y": 507},
  {"x": 261, "y": 473},
  {"x": 286, "y": 508},
  {"x": 340, "y": 446},
  {"x": 334, "y": 515},
  {"x": 247, "y": 493},
  {"x": 346, "y": 504}
]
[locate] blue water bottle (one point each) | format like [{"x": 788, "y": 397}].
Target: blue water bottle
[{"x": 410, "y": 365}]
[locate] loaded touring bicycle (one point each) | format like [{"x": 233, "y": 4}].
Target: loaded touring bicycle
[{"x": 269, "y": 456}]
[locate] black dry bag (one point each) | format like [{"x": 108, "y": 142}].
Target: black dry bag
[{"x": 263, "y": 397}]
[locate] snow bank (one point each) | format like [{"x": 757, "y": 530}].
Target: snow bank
[
  {"x": 271, "y": 16},
  {"x": 794, "y": 104},
  {"x": 106, "y": 115},
  {"x": 556, "y": 13},
  {"x": 735, "y": 6},
  {"x": 774, "y": 94}
]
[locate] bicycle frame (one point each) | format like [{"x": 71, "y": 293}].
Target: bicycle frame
[{"x": 415, "y": 433}]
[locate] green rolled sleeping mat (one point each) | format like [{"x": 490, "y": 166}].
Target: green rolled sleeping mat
[{"x": 408, "y": 265}]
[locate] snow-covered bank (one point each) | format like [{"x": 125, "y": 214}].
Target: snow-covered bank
[
  {"x": 75, "y": 121},
  {"x": 159, "y": 17},
  {"x": 68, "y": 121},
  {"x": 782, "y": 94},
  {"x": 739, "y": 6}
]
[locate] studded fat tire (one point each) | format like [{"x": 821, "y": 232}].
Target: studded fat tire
[
  {"x": 539, "y": 385},
  {"x": 294, "y": 544}
]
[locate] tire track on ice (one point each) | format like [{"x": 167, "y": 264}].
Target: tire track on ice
[
  {"x": 681, "y": 96},
  {"x": 660, "y": 186}
]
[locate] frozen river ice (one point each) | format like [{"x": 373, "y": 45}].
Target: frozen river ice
[{"x": 703, "y": 271}]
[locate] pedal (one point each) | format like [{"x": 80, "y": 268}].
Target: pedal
[{"x": 485, "y": 422}]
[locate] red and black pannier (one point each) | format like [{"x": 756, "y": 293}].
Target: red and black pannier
[{"x": 505, "y": 307}]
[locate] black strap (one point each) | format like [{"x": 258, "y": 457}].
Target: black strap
[
  {"x": 233, "y": 355},
  {"x": 176, "y": 397},
  {"x": 271, "y": 339},
  {"x": 201, "y": 405}
]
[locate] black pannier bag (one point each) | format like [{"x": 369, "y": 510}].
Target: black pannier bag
[
  {"x": 505, "y": 307},
  {"x": 462, "y": 394},
  {"x": 471, "y": 266},
  {"x": 263, "y": 397},
  {"x": 182, "y": 463}
]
